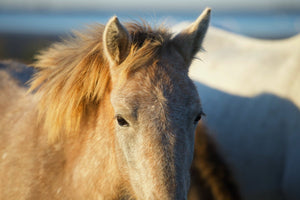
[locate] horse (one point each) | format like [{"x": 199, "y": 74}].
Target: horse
[
  {"x": 211, "y": 177},
  {"x": 110, "y": 114},
  {"x": 250, "y": 91}
]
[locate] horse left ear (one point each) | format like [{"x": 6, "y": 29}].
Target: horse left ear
[
  {"x": 188, "y": 42},
  {"x": 116, "y": 41}
]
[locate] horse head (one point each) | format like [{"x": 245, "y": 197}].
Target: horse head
[{"x": 156, "y": 106}]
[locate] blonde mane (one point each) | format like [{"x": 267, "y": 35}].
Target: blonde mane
[{"x": 73, "y": 75}]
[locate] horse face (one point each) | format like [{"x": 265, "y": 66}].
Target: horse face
[
  {"x": 156, "y": 108},
  {"x": 156, "y": 114}
]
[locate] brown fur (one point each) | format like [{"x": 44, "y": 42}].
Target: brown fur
[{"x": 211, "y": 179}]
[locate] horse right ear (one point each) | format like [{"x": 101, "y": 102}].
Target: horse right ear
[
  {"x": 116, "y": 41},
  {"x": 188, "y": 42}
]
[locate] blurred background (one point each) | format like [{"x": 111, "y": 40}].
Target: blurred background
[
  {"x": 256, "y": 103},
  {"x": 27, "y": 26}
]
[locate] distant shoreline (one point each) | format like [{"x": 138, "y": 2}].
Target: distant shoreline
[
  {"x": 22, "y": 35},
  {"x": 23, "y": 47}
]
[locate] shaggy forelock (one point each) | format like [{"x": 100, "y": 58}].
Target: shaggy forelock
[{"x": 73, "y": 75}]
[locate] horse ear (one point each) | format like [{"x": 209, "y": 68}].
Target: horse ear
[
  {"x": 116, "y": 41},
  {"x": 188, "y": 41}
]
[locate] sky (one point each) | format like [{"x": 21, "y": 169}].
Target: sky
[{"x": 168, "y": 5}]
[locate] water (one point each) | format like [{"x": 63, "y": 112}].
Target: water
[{"x": 261, "y": 25}]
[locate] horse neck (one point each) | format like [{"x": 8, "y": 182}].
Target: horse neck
[{"x": 93, "y": 157}]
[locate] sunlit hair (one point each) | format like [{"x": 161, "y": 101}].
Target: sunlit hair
[{"x": 73, "y": 75}]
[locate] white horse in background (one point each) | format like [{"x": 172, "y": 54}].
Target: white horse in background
[
  {"x": 251, "y": 95},
  {"x": 270, "y": 66}
]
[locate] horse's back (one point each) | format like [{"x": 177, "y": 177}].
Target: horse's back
[
  {"x": 248, "y": 67},
  {"x": 13, "y": 76},
  {"x": 16, "y": 129}
]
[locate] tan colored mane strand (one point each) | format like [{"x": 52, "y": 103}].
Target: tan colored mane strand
[{"x": 73, "y": 74}]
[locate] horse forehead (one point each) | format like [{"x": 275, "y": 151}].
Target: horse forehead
[
  {"x": 165, "y": 79},
  {"x": 161, "y": 86}
]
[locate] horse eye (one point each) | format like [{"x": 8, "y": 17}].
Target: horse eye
[
  {"x": 121, "y": 121},
  {"x": 198, "y": 118}
]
